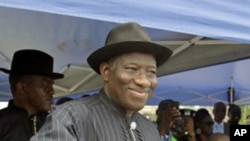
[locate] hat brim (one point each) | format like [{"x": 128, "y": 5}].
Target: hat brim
[
  {"x": 103, "y": 54},
  {"x": 51, "y": 75}
]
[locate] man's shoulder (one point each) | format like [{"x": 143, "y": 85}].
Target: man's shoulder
[
  {"x": 7, "y": 111},
  {"x": 7, "y": 114},
  {"x": 3, "y": 112},
  {"x": 81, "y": 104}
]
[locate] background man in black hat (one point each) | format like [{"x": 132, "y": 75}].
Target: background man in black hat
[
  {"x": 31, "y": 79},
  {"x": 127, "y": 64}
]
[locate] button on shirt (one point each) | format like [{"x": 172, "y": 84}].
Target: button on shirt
[{"x": 218, "y": 127}]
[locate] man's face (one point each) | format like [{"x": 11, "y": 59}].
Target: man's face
[
  {"x": 38, "y": 92},
  {"x": 235, "y": 115},
  {"x": 206, "y": 125},
  {"x": 130, "y": 80},
  {"x": 219, "y": 113}
]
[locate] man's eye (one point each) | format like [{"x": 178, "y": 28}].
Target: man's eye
[
  {"x": 153, "y": 72},
  {"x": 131, "y": 68}
]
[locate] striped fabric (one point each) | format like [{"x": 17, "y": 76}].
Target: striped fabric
[{"x": 94, "y": 118}]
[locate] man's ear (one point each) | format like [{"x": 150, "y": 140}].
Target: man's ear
[{"x": 104, "y": 70}]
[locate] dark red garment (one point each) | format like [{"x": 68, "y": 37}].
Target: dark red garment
[{"x": 17, "y": 125}]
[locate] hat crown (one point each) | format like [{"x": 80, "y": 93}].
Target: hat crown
[
  {"x": 32, "y": 62},
  {"x": 28, "y": 61},
  {"x": 126, "y": 33}
]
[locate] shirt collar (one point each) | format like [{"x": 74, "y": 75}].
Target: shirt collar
[{"x": 220, "y": 124}]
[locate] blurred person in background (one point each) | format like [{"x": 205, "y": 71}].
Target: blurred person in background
[
  {"x": 183, "y": 128},
  {"x": 203, "y": 124},
  {"x": 167, "y": 113},
  {"x": 219, "y": 112},
  {"x": 234, "y": 114}
]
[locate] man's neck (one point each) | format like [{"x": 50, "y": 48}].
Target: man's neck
[{"x": 218, "y": 122}]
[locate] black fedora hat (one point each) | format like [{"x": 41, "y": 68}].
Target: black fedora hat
[
  {"x": 125, "y": 38},
  {"x": 32, "y": 62}
]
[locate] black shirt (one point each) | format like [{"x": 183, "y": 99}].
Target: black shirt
[{"x": 17, "y": 125}]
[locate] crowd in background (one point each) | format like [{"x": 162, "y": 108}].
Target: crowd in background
[{"x": 196, "y": 124}]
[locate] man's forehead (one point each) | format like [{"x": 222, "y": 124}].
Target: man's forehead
[
  {"x": 136, "y": 54},
  {"x": 37, "y": 77}
]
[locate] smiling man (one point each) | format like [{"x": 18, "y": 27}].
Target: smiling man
[
  {"x": 31, "y": 82},
  {"x": 127, "y": 64}
]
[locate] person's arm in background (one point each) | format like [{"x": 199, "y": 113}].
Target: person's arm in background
[
  {"x": 189, "y": 122},
  {"x": 169, "y": 117}
]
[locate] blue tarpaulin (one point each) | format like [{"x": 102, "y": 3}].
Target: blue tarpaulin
[{"x": 202, "y": 33}]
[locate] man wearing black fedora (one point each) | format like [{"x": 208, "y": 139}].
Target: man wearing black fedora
[
  {"x": 127, "y": 64},
  {"x": 31, "y": 79}
]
